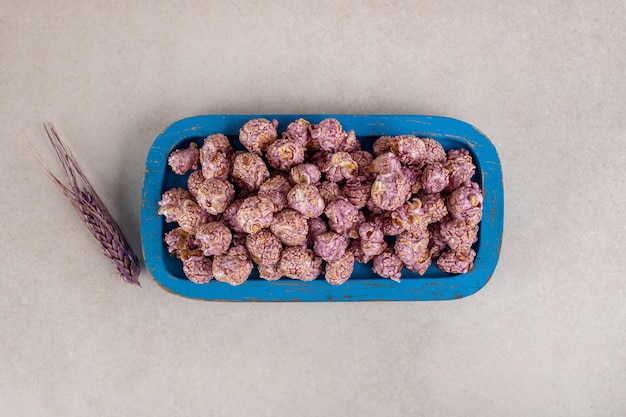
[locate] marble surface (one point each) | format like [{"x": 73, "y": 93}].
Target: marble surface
[{"x": 543, "y": 79}]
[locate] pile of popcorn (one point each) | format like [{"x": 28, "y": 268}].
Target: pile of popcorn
[{"x": 313, "y": 202}]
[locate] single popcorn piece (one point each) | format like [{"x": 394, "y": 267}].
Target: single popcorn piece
[
  {"x": 355, "y": 249},
  {"x": 434, "y": 151},
  {"x": 437, "y": 244},
  {"x": 433, "y": 207},
  {"x": 197, "y": 267},
  {"x": 284, "y": 154},
  {"x": 290, "y": 227},
  {"x": 213, "y": 144},
  {"x": 297, "y": 262},
  {"x": 389, "y": 225},
  {"x": 330, "y": 246},
  {"x": 214, "y": 195},
  {"x": 409, "y": 149},
  {"x": 435, "y": 177},
  {"x": 414, "y": 177},
  {"x": 339, "y": 271},
  {"x": 182, "y": 160},
  {"x": 193, "y": 183},
  {"x": 456, "y": 262},
  {"x": 466, "y": 203},
  {"x": 257, "y": 134},
  {"x": 308, "y": 174},
  {"x": 170, "y": 202},
  {"x": 382, "y": 145},
  {"x": 371, "y": 249},
  {"x": 459, "y": 235},
  {"x": 413, "y": 251},
  {"x": 371, "y": 232},
  {"x": 255, "y": 213},
  {"x": 317, "y": 226},
  {"x": 350, "y": 143},
  {"x": 357, "y": 191},
  {"x": 233, "y": 268},
  {"x": 264, "y": 248},
  {"x": 249, "y": 170},
  {"x": 339, "y": 166},
  {"x": 410, "y": 216},
  {"x": 190, "y": 216},
  {"x": 329, "y": 191},
  {"x": 214, "y": 238},
  {"x": 298, "y": 131},
  {"x": 390, "y": 190},
  {"x": 388, "y": 265},
  {"x": 363, "y": 159},
  {"x": 276, "y": 189},
  {"x": 229, "y": 217},
  {"x": 385, "y": 163},
  {"x": 270, "y": 272},
  {"x": 329, "y": 134},
  {"x": 341, "y": 214},
  {"x": 461, "y": 168},
  {"x": 306, "y": 199},
  {"x": 217, "y": 165},
  {"x": 178, "y": 240}
]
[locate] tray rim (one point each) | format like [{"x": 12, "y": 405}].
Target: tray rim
[{"x": 375, "y": 289}]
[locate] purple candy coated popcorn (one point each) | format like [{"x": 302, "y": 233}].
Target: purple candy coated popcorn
[
  {"x": 182, "y": 160},
  {"x": 357, "y": 191},
  {"x": 414, "y": 177},
  {"x": 213, "y": 238},
  {"x": 363, "y": 159},
  {"x": 461, "y": 168},
  {"x": 437, "y": 243},
  {"x": 390, "y": 190},
  {"x": 249, "y": 170},
  {"x": 329, "y": 191},
  {"x": 255, "y": 213},
  {"x": 178, "y": 240},
  {"x": 217, "y": 165},
  {"x": 456, "y": 262},
  {"x": 300, "y": 263},
  {"x": 270, "y": 272},
  {"x": 284, "y": 154},
  {"x": 371, "y": 249},
  {"x": 388, "y": 265},
  {"x": 466, "y": 203},
  {"x": 339, "y": 271},
  {"x": 230, "y": 216},
  {"x": 214, "y": 195},
  {"x": 355, "y": 249},
  {"x": 385, "y": 163},
  {"x": 190, "y": 216},
  {"x": 276, "y": 189},
  {"x": 339, "y": 166},
  {"x": 382, "y": 145},
  {"x": 308, "y": 174},
  {"x": 263, "y": 247},
  {"x": 330, "y": 246},
  {"x": 433, "y": 207},
  {"x": 298, "y": 131},
  {"x": 290, "y": 227},
  {"x": 306, "y": 199},
  {"x": 341, "y": 214},
  {"x": 213, "y": 144},
  {"x": 197, "y": 267},
  {"x": 350, "y": 143},
  {"x": 413, "y": 251},
  {"x": 459, "y": 235},
  {"x": 257, "y": 134},
  {"x": 435, "y": 177},
  {"x": 233, "y": 268},
  {"x": 371, "y": 232},
  {"x": 317, "y": 226},
  {"x": 170, "y": 201},
  {"x": 329, "y": 134},
  {"x": 193, "y": 183},
  {"x": 386, "y": 222},
  {"x": 434, "y": 151},
  {"x": 409, "y": 149}
]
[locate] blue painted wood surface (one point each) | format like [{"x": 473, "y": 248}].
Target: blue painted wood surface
[{"x": 363, "y": 285}]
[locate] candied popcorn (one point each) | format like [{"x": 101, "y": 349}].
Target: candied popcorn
[
  {"x": 466, "y": 203},
  {"x": 257, "y": 134},
  {"x": 298, "y": 131},
  {"x": 410, "y": 216},
  {"x": 284, "y": 154},
  {"x": 182, "y": 160},
  {"x": 249, "y": 170},
  {"x": 409, "y": 149},
  {"x": 456, "y": 262},
  {"x": 170, "y": 201},
  {"x": 414, "y": 177},
  {"x": 306, "y": 199},
  {"x": 317, "y": 226},
  {"x": 190, "y": 216},
  {"x": 330, "y": 246},
  {"x": 461, "y": 168},
  {"x": 214, "y": 238},
  {"x": 308, "y": 174},
  {"x": 217, "y": 165},
  {"x": 213, "y": 144},
  {"x": 329, "y": 191},
  {"x": 435, "y": 177},
  {"x": 178, "y": 240},
  {"x": 270, "y": 272},
  {"x": 255, "y": 213},
  {"x": 197, "y": 267},
  {"x": 193, "y": 183},
  {"x": 276, "y": 189},
  {"x": 329, "y": 134},
  {"x": 350, "y": 143},
  {"x": 290, "y": 227},
  {"x": 357, "y": 191},
  {"x": 390, "y": 190},
  {"x": 434, "y": 151},
  {"x": 355, "y": 249},
  {"x": 234, "y": 267},
  {"x": 433, "y": 207},
  {"x": 353, "y": 233},
  {"x": 339, "y": 166},
  {"x": 382, "y": 145},
  {"x": 388, "y": 265},
  {"x": 297, "y": 262},
  {"x": 386, "y": 222},
  {"x": 413, "y": 251},
  {"x": 363, "y": 159},
  {"x": 384, "y": 163},
  {"x": 437, "y": 243},
  {"x": 230, "y": 216},
  {"x": 459, "y": 235},
  {"x": 339, "y": 271},
  {"x": 371, "y": 232},
  {"x": 371, "y": 249},
  {"x": 341, "y": 214},
  {"x": 214, "y": 195},
  {"x": 263, "y": 247}
]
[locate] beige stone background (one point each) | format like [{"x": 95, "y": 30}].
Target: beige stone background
[{"x": 545, "y": 80}]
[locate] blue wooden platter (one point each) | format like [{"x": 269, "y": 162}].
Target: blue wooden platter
[{"x": 363, "y": 285}]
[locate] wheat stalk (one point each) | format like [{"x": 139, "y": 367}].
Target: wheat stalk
[{"x": 90, "y": 208}]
